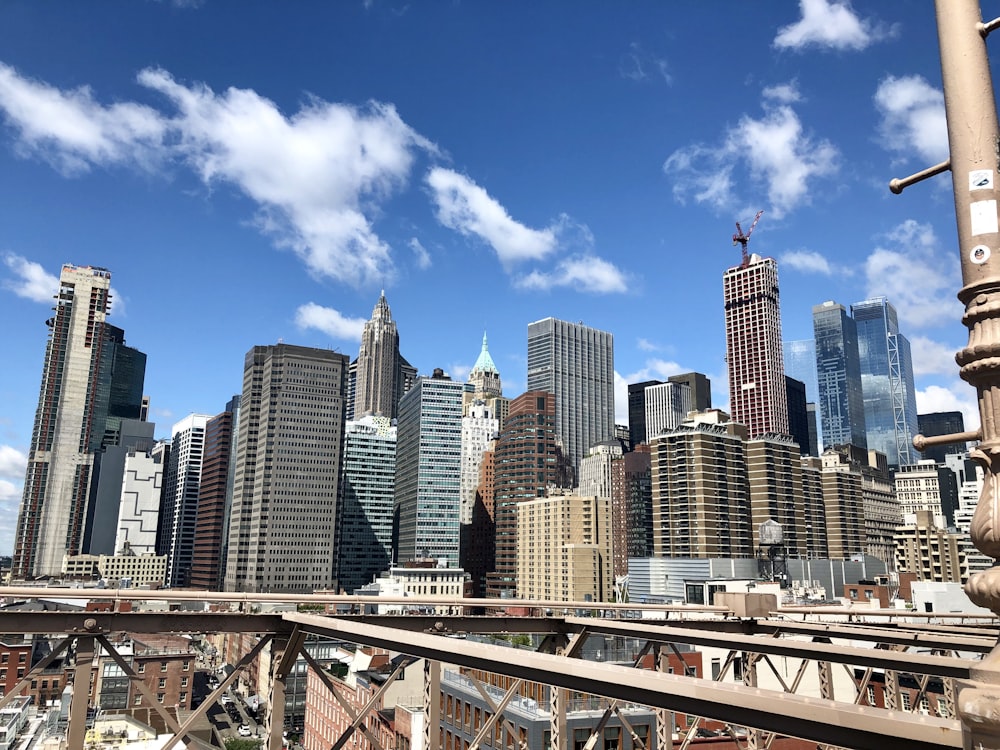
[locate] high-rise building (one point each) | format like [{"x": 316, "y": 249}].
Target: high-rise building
[
  {"x": 637, "y": 527},
  {"x": 128, "y": 436},
  {"x": 480, "y": 427},
  {"x": 382, "y": 376},
  {"x": 637, "y": 431},
  {"x": 701, "y": 389},
  {"x": 843, "y": 500},
  {"x": 941, "y": 423},
  {"x": 701, "y": 502},
  {"x": 799, "y": 416},
  {"x": 211, "y": 532},
  {"x": 89, "y": 381},
  {"x": 564, "y": 548},
  {"x": 886, "y": 381},
  {"x": 428, "y": 467},
  {"x": 757, "y": 396},
  {"x": 602, "y": 475},
  {"x": 800, "y": 363},
  {"x": 364, "y": 506},
  {"x": 527, "y": 460},
  {"x": 139, "y": 510},
  {"x": 576, "y": 364},
  {"x": 774, "y": 472},
  {"x": 667, "y": 405},
  {"x": 284, "y": 508},
  {"x": 838, "y": 373},
  {"x": 179, "y": 505}
]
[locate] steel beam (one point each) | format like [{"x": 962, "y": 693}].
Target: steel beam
[
  {"x": 808, "y": 718},
  {"x": 863, "y": 657}
]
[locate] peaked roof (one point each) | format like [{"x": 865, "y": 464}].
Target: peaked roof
[{"x": 485, "y": 362}]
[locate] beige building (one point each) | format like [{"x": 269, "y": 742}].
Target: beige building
[
  {"x": 843, "y": 502},
  {"x": 701, "y": 503},
  {"x": 774, "y": 470},
  {"x": 918, "y": 488},
  {"x": 932, "y": 553},
  {"x": 564, "y": 548}
]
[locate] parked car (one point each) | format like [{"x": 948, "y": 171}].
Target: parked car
[{"x": 244, "y": 730}]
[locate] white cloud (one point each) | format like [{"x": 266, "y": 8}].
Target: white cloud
[
  {"x": 785, "y": 93},
  {"x": 807, "y": 261},
  {"x": 467, "y": 208},
  {"x": 33, "y": 281},
  {"x": 917, "y": 278},
  {"x": 317, "y": 176},
  {"x": 459, "y": 372},
  {"x": 913, "y": 118},
  {"x": 646, "y": 345},
  {"x": 957, "y": 396},
  {"x": 72, "y": 131},
  {"x": 775, "y": 151},
  {"x": 329, "y": 321},
  {"x": 9, "y": 491},
  {"x": 639, "y": 65},
  {"x": 583, "y": 273},
  {"x": 13, "y": 463},
  {"x": 932, "y": 357},
  {"x": 831, "y": 24},
  {"x": 423, "y": 258}
]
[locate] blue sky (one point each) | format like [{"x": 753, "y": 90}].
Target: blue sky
[{"x": 259, "y": 171}]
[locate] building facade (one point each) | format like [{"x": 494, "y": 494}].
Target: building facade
[
  {"x": 754, "y": 355},
  {"x": 941, "y": 423},
  {"x": 527, "y": 460},
  {"x": 74, "y": 409},
  {"x": 667, "y": 405},
  {"x": 181, "y": 485},
  {"x": 700, "y": 490},
  {"x": 564, "y": 549},
  {"x": 364, "y": 512},
  {"x": 381, "y": 375},
  {"x": 838, "y": 373},
  {"x": 428, "y": 470},
  {"x": 886, "y": 381},
  {"x": 139, "y": 510},
  {"x": 208, "y": 563},
  {"x": 576, "y": 364},
  {"x": 291, "y": 427}
]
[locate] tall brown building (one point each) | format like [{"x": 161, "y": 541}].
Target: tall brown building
[
  {"x": 528, "y": 459},
  {"x": 381, "y": 376},
  {"x": 844, "y": 502},
  {"x": 754, "y": 353},
  {"x": 211, "y": 528}
]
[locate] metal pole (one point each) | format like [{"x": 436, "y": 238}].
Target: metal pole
[{"x": 973, "y": 137}]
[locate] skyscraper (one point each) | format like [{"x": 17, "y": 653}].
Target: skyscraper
[
  {"x": 214, "y": 496},
  {"x": 364, "y": 505},
  {"x": 179, "y": 505},
  {"x": 667, "y": 405},
  {"x": 886, "y": 381},
  {"x": 637, "y": 432},
  {"x": 88, "y": 377},
  {"x": 291, "y": 425},
  {"x": 576, "y": 364},
  {"x": 754, "y": 356},
  {"x": 428, "y": 467},
  {"x": 527, "y": 460},
  {"x": 382, "y": 376},
  {"x": 838, "y": 376}
]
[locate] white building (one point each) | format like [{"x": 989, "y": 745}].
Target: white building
[
  {"x": 918, "y": 488},
  {"x": 480, "y": 425},
  {"x": 667, "y": 405},
  {"x": 181, "y": 484},
  {"x": 425, "y": 579},
  {"x": 139, "y": 508}
]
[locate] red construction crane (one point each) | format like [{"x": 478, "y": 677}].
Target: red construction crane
[{"x": 742, "y": 239}]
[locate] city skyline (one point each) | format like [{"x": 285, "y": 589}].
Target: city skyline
[{"x": 504, "y": 173}]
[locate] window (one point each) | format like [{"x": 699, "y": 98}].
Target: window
[
  {"x": 612, "y": 738},
  {"x": 159, "y": 697},
  {"x": 141, "y": 667},
  {"x": 163, "y": 683},
  {"x": 163, "y": 666},
  {"x": 138, "y": 700}
]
